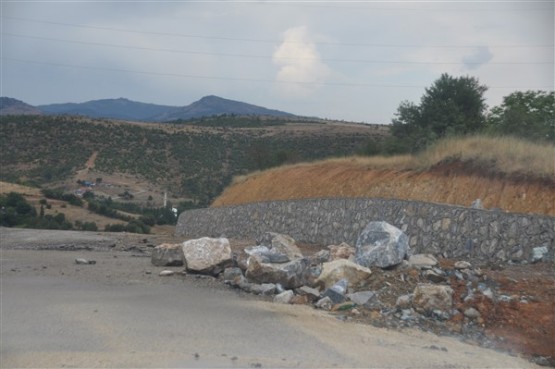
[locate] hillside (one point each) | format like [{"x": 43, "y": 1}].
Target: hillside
[
  {"x": 9, "y": 106},
  {"x": 189, "y": 161},
  {"x": 126, "y": 109},
  {"x": 214, "y": 105},
  {"x": 110, "y": 108},
  {"x": 516, "y": 177}
]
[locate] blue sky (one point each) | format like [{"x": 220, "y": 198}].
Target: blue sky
[{"x": 340, "y": 60}]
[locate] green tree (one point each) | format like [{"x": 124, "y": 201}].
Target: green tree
[
  {"x": 451, "y": 106},
  {"x": 529, "y": 114}
]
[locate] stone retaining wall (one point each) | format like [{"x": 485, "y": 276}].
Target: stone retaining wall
[{"x": 451, "y": 231}]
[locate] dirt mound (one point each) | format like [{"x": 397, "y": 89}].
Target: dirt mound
[{"x": 449, "y": 183}]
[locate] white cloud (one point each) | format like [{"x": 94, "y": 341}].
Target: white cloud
[{"x": 300, "y": 62}]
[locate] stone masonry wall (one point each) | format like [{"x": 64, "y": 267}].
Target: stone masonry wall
[{"x": 451, "y": 231}]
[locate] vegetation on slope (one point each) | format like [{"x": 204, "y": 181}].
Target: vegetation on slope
[
  {"x": 195, "y": 162},
  {"x": 506, "y": 173}
]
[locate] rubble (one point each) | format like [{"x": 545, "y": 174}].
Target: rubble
[{"x": 426, "y": 292}]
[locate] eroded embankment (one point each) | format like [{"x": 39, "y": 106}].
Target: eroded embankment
[{"x": 447, "y": 183}]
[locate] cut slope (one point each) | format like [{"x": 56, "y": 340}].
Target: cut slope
[{"x": 513, "y": 186}]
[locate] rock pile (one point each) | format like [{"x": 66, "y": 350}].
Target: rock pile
[{"x": 379, "y": 280}]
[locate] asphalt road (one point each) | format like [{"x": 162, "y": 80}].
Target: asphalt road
[{"x": 119, "y": 313}]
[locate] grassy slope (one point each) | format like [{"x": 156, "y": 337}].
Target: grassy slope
[
  {"x": 505, "y": 173},
  {"x": 192, "y": 161}
]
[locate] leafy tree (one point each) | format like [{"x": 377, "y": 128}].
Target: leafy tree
[
  {"x": 529, "y": 114},
  {"x": 451, "y": 106}
]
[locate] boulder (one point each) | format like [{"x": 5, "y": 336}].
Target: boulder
[
  {"x": 82, "y": 261},
  {"x": 430, "y": 297},
  {"x": 267, "y": 255},
  {"x": 381, "y": 244},
  {"x": 324, "y": 303},
  {"x": 404, "y": 301},
  {"x": 364, "y": 298},
  {"x": 337, "y": 292},
  {"x": 341, "y": 251},
  {"x": 312, "y": 293},
  {"x": 339, "y": 269},
  {"x": 538, "y": 253},
  {"x": 434, "y": 276},
  {"x": 284, "y": 297},
  {"x": 168, "y": 254},
  {"x": 231, "y": 273},
  {"x": 206, "y": 254},
  {"x": 281, "y": 244},
  {"x": 320, "y": 257},
  {"x": 166, "y": 273},
  {"x": 422, "y": 261},
  {"x": 477, "y": 204},
  {"x": 462, "y": 265},
  {"x": 266, "y": 289},
  {"x": 289, "y": 275}
]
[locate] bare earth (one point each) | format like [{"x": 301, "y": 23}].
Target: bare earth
[{"x": 120, "y": 313}]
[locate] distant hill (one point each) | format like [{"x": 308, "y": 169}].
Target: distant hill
[
  {"x": 110, "y": 108},
  {"x": 191, "y": 161},
  {"x": 9, "y": 106},
  {"x": 131, "y": 110},
  {"x": 214, "y": 105}
]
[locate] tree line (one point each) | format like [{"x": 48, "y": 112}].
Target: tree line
[{"x": 455, "y": 106}]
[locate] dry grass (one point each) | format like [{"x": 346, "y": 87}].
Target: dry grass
[
  {"x": 505, "y": 156},
  {"x": 500, "y": 155},
  {"x": 504, "y": 173},
  {"x": 6, "y": 187}
]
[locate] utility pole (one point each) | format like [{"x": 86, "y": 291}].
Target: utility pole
[{"x": 165, "y": 198}]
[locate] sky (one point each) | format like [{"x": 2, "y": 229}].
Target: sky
[{"x": 344, "y": 60}]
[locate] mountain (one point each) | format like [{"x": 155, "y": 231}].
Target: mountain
[
  {"x": 9, "y": 106},
  {"x": 214, "y": 105},
  {"x": 131, "y": 110},
  {"x": 110, "y": 108}
]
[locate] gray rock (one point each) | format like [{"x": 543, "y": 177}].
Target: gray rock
[
  {"x": 267, "y": 255},
  {"x": 231, "y": 273},
  {"x": 422, "y": 261},
  {"x": 324, "y": 303},
  {"x": 289, "y": 275},
  {"x": 407, "y": 314},
  {"x": 337, "y": 292},
  {"x": 284, "y": 297},
  {"x": 339, "y": 269},
  {"x": 462, "y": 265},
  {"x": 166, "y": 273},
  {"x": 312, "y": 293},
  {"x": 381, "y": 244},
  {"x": 266, "y": 289},
  {"x": 363, "y": 298},
  {"x": 82, "y": 261},
  {"x": 477, "y": 204},
  {"x": 404, "y": 301},
  {"x": 320, "y": 257},
  {"x": 279, "y": 288},
  {"x": 472, "y": 313},
  {"x": 341, "y": 286},
  {"x": 433, "y": 276},
  {"x": 206, "y": 255},
  {"x": 312, "y": 274},
  {"x": 538, "y": 253},
  {"x": 242, "y": 283},
  {"x": 167, "y": 254},
  {"x": 281, "y": 244},
  {"x": 430, "y": 297}
]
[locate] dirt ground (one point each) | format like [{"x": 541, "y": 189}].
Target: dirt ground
[{"x": 447, "y": 185}]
